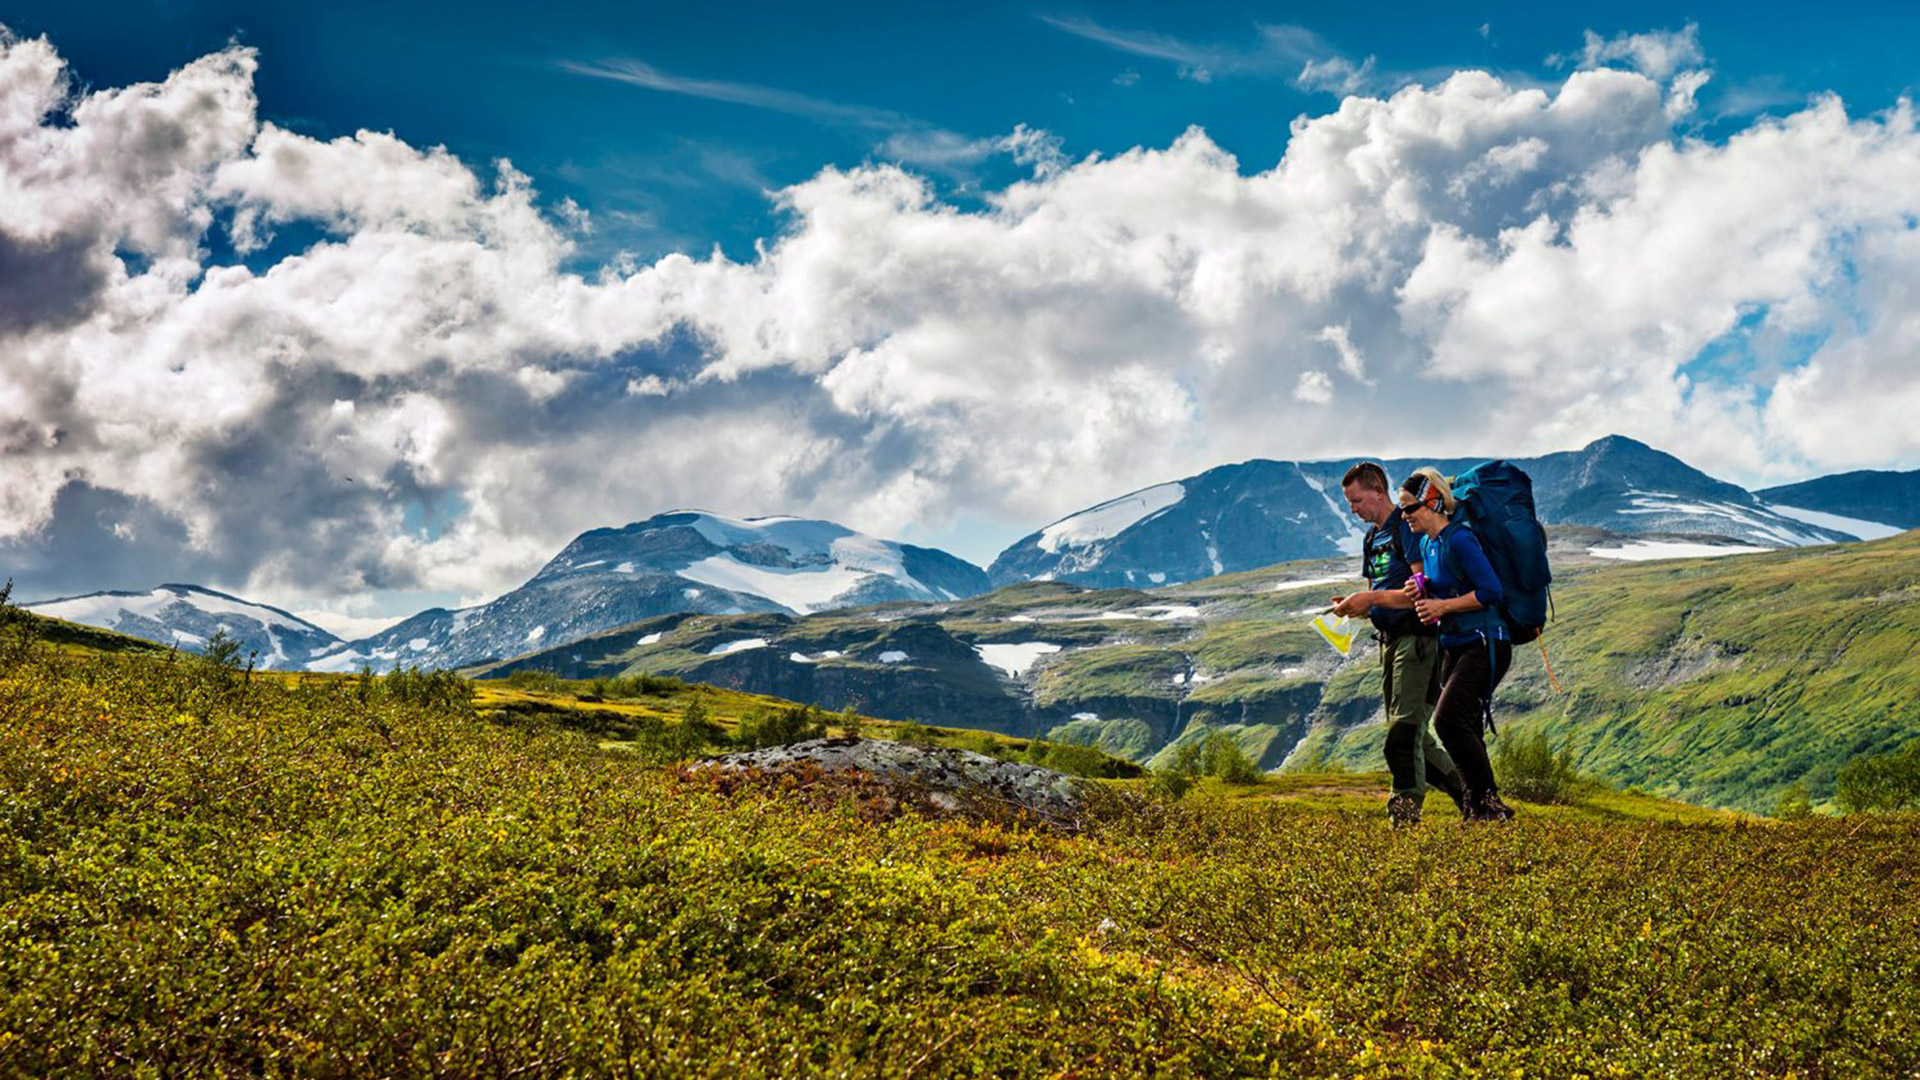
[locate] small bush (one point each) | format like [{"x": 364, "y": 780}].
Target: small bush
[
  {"x": 850, "y": 723},
  {"x": 1225, "y": 760},
  {"x": 1528, "y": 768},
  {"x": 1170, "y": 784},
  {"x": 1880, "y": 782},
  {"x": 1079, "y": 760},
  {"x": 780, "y": 727},
  {"x": 695, "y": 732},
  {"x": 1794, "y": 803},
  {"x": 915, "y": 733}
]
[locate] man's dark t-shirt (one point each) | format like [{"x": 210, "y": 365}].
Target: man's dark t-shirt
[{"x": 1387, "y": 568}]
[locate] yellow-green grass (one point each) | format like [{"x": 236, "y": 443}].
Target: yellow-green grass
[{"x": 284, "y": 878}]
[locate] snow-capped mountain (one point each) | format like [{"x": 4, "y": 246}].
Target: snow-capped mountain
[
  {"x": 1868, "y": 503},
  {"x": 1240, "y": 517},
  {"x": 188, "y": 615},
  {"x": 683, "y": 561}
]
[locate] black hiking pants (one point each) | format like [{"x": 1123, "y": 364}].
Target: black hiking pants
[
  {"x": 1409, "y": 686},
  {"x": 1468, "y": 675}
]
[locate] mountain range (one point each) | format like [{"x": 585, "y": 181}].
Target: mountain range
[
  {"x": 1230, "y": 519},
  {"x": 189, "y": 616},
  {"x": 1239, "y": 517}
]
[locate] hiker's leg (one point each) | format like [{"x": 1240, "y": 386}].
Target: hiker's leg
[
  {"x": 1403, "y": 688},
  {"x": 1502, "y": 660},
  {"x": 1441, "y": 772},
  {"x": 1457, "y": 718}
]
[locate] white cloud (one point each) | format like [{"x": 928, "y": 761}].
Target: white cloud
[
  {"x": 1314, "y": 388},
  {"x": 1656, "y": 54},
  {"x": 1351, "y": 361},
  {"x": 427, "y": 398}
]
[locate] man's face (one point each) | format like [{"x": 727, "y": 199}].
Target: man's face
[{"x": 1367, "y": 504}]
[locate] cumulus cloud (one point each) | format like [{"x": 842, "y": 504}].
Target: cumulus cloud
[
  {"x": 1656, "y": 54},
  {"x": 419, "y": 394}
]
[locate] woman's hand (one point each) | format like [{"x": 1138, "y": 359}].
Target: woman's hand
[{"x": 1429, "y": 609}]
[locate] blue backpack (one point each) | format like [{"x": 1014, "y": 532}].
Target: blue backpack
[{"x": 1496, "y": 501}]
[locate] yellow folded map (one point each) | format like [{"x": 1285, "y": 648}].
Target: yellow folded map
[{"x": 1338, "y": 630}]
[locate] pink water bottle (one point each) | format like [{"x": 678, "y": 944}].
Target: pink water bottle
[{"x": 1420, "y": 588}]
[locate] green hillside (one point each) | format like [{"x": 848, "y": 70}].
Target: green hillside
[{"x": 203, "y": 875}]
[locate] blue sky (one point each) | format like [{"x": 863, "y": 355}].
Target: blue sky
[
  {"x": 793, "y": 87},
  {"x": 943, "y": 274}
]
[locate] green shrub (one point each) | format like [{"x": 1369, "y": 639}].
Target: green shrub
[
  {"x": 1189, "y": 759},
  {"x": 850, "y": 723},
  {"x": 1169, "y": 784},
  {"x": 914, "y": 733},
  {"x": 1224, "y": 760},
  {"x": 1794, "y": 803},
  {"x": 439, "y": 688},
  {"x": 1880, "y": 782},
  {"x": 695, "y": 732},
  {"x": 1527, "y": 767},
  {"x": 1074, "y": 760},
  {"x": 780, "y": 727},
  {"x": 223, "y": 650}
]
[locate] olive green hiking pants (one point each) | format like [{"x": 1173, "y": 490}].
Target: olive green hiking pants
[{"x": 1409, "y": 685}]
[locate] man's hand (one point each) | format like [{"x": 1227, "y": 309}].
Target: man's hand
[{"x": 1352, "y": 606}]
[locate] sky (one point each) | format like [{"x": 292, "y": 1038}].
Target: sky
[{"x": 355, "y": 308}]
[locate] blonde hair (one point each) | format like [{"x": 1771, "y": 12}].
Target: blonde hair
[{"x": 1430, "y": 478}]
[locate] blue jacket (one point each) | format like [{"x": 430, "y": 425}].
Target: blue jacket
[{"x": 1455, "y": 565}]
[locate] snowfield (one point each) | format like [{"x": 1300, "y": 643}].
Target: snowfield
[
  {"x": 1015, "y": 659},
  {"x": 1642, "y": 550},
  {"x": 1109, "y": 519},
  {"x": 1865, "y": 530},
  {"x": 738, "y": 646}
]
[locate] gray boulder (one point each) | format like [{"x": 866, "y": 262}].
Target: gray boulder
[{"x": 936, "y": 779}]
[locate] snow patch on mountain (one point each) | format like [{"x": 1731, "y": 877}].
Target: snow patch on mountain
[
  {"x": 1348, "y": 544},
  {"x": 103, "y": 609},
  {"x": 1751, "y": 520},
  {"x": 1643, "y": 550},
  {"x": 1109, "y": 519},
  {"x": 1865, "y": 530},
  {"x": 1015, "y": 658},
  {"x": 738, "y": 646}
]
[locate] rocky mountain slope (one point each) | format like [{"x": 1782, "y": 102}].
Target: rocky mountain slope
[
  {"x": 673, "y": 563},
  {"x": 1238, "y": 517},
  {"x": 188, "y": 616}
]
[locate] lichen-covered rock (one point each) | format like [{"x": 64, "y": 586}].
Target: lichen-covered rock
[{"x": 934, "y": 778}]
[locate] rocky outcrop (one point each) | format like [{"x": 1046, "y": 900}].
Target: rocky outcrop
[{"x": 933, "y": 779}]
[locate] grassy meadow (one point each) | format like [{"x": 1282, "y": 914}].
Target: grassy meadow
[{"x": 203, "y": 874}]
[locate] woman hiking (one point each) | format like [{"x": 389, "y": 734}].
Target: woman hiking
[{"x": 1459, "y": 590}]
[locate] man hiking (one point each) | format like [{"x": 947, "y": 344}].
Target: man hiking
[{"x": 1409, "y": 650}]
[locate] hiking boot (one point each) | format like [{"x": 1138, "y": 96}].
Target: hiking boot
[
  {"x": 1486, "y": 806},
  {"x": 1403, "y": 810}
]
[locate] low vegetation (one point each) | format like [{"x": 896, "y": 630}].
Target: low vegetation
[{"x": 203, "y": 873}]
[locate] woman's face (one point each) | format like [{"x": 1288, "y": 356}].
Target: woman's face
[{"x": 1424, "y": 519}]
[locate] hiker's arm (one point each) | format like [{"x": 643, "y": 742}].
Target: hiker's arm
[
  {"x": 1486, "y": 584},
  {"x": 1366, "y": 600}
]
